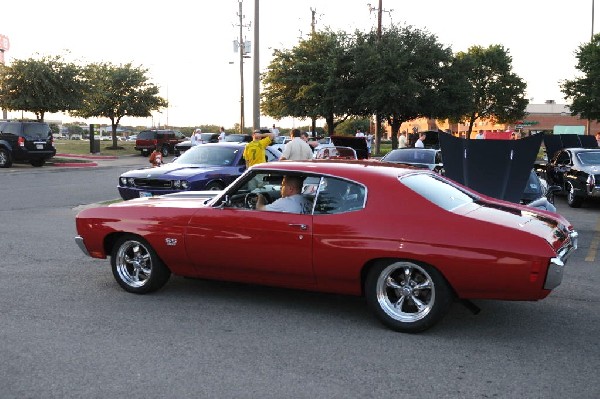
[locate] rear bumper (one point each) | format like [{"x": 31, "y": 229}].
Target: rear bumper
[
  {"x": 556, "y": 268},
  {"x": 81, "y": 245}
]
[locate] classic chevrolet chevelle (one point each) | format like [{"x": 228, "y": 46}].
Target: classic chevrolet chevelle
[{"x": 409, "y": 240}]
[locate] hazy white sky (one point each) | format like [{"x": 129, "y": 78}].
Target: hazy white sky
[{"x": 187, "y": 46}]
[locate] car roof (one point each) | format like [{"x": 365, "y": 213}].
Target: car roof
[{"x": 343, "y": 168}]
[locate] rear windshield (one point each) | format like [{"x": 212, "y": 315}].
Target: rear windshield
[
  {"x": 36, "y": 130},
  {"x": 437, "y": 190},
  {"x": 146, "y": 135},
  {"x": 410, "y": 156}
]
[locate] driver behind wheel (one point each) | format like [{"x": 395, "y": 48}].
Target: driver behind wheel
[{"x": 291, "y": 201}]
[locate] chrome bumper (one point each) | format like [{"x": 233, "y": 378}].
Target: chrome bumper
[
  {"x": 81, "y": 245},
  {"x": 556, "y": 268}
]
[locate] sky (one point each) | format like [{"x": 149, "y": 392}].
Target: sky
[{"x": 187, "y": 46}]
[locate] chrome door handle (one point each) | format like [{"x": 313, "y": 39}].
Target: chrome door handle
[{"x": 302, "y": 226}]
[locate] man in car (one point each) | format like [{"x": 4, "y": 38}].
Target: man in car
[
  {"x": 255, "y": 151},
  {"x": 291, "y": 201}
]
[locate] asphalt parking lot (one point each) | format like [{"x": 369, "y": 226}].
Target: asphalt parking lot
[{"x": 68, "y": 331}]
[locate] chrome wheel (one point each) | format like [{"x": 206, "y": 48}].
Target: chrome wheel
[
  {"x": 405, "y": 292},
  {"x": 136, "y": 267},
  {"x": 406, "y": 296},
  {"x": 133, "y": 263}
]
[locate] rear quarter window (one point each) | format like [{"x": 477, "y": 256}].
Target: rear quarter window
[{"x": 437, "y": 190}]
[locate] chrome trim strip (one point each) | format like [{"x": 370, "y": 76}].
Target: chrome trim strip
[{"x": 81, "y": 245}]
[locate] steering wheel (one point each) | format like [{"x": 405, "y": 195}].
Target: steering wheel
[{"x": 252, "y": 198}]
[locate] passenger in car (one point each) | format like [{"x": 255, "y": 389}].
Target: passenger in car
[{"x": 291, "y": 201}]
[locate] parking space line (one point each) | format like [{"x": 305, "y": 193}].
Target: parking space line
[{"x": 595, "y": 244}]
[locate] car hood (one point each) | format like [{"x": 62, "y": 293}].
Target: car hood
[
  {"x": 187, "y": 199},
  {"x": 497, "y": 168},
  {"x": 173, "y": 171}
]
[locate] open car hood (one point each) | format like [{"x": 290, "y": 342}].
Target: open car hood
[
  {"x": 497, "y": 168},
  {"x": 359, "y": 144}
]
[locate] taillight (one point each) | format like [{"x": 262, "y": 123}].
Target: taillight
[{"x": 21, "y": 142}]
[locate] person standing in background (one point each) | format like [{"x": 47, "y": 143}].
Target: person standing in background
[
  {"x": 275, "y": 131},
  {"x": 421, "y": 141},
  {"x": 197, "y": 139},
  {"x": 369, "y": 138},
  {"x": 255, "y": 151},
  {"x": 402, "y": 140},
  {"x": 359, "y": 133},
  {"x": 296, "y": 149},
  {"x": 222, "y": 134}
]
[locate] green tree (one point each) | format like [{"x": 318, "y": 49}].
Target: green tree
[
  {"x": 493, "y": 91},
  {"x": 585, "y": 91},
  {"x": 308, "y": 81},
  {"x": 117, "y": 91},
  {"x": 397, "y": 75},
  {"x": 41, "y": 85}
]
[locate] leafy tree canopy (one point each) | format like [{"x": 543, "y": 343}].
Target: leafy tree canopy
[
  {"x": 41, "y": 85},
  {"x": 585, "y": 91},
  {"x": 118, "y": 91},
  {"x": 492, "y": 91}
]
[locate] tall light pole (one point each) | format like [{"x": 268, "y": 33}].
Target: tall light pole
[
  {"x": 256, "y": 76},
  {"x": 242, "y": 51},
  {"x": 591, "y": 42}
]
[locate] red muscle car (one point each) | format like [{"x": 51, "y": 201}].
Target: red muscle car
[{"x": 409, "y": 240}]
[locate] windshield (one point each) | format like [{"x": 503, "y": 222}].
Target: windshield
[
  {"x": 410, "y": 156},
  {"x": 209, "y": 155},
  {"x": 589, "y": 157},
  {"x": 436, "y": 190}
]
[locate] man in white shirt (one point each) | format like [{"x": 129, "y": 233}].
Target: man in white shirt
[
  {"x": 197, "y": 137},
  {"x": 420, "y": 142},
  {"x": 402, "y": 140},
  {"x": 297, "y": 149},
  {"x": 359, "y": 133},
  {"x": 291, "y": 201},
  {"x": 222, "y": 134},
  {"x": 275, "y": 131}
]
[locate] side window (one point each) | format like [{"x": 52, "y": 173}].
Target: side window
[
  {"x": 179, "y": 135},
  {"x": 12, "y": 128},
  {"x": 338, "y": 196}
]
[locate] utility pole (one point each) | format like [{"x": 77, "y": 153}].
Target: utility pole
[
  {"x": 313, "y": 22},
  {"x": 591, "y": 42},
  {"x": 256, "y": 77},
  {"x": 243, "y": 47}
]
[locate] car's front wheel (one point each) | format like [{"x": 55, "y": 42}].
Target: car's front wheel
[
  {"x": 573, "y": 200},
  {"x": 136, "y": 266},
  {"x": 406, "y": 296},
  {"x": 5, "y": 161}
]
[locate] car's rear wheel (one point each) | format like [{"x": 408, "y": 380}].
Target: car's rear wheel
[
  {"x": 37, "y": 162},
  {"x": 136, "y": 266},
  {"x": 407, "y": 297},
  {"x": 5, "y": 160},
  {"x": 573, "y": 200},
  {"x": 165, "y": 151}
]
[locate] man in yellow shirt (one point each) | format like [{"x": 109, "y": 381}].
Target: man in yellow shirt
[{"x": 255, "y": 151}]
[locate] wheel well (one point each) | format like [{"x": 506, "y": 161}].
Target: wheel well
[
  {"x": 221, "y": 183},
  {"x": 111, "y": 239},
  {"x": 374, "y": 262}
]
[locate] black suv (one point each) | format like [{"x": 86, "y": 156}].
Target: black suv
[
  {"x": 164, "y": 140},
  {"x": 24, "y": 142}
]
